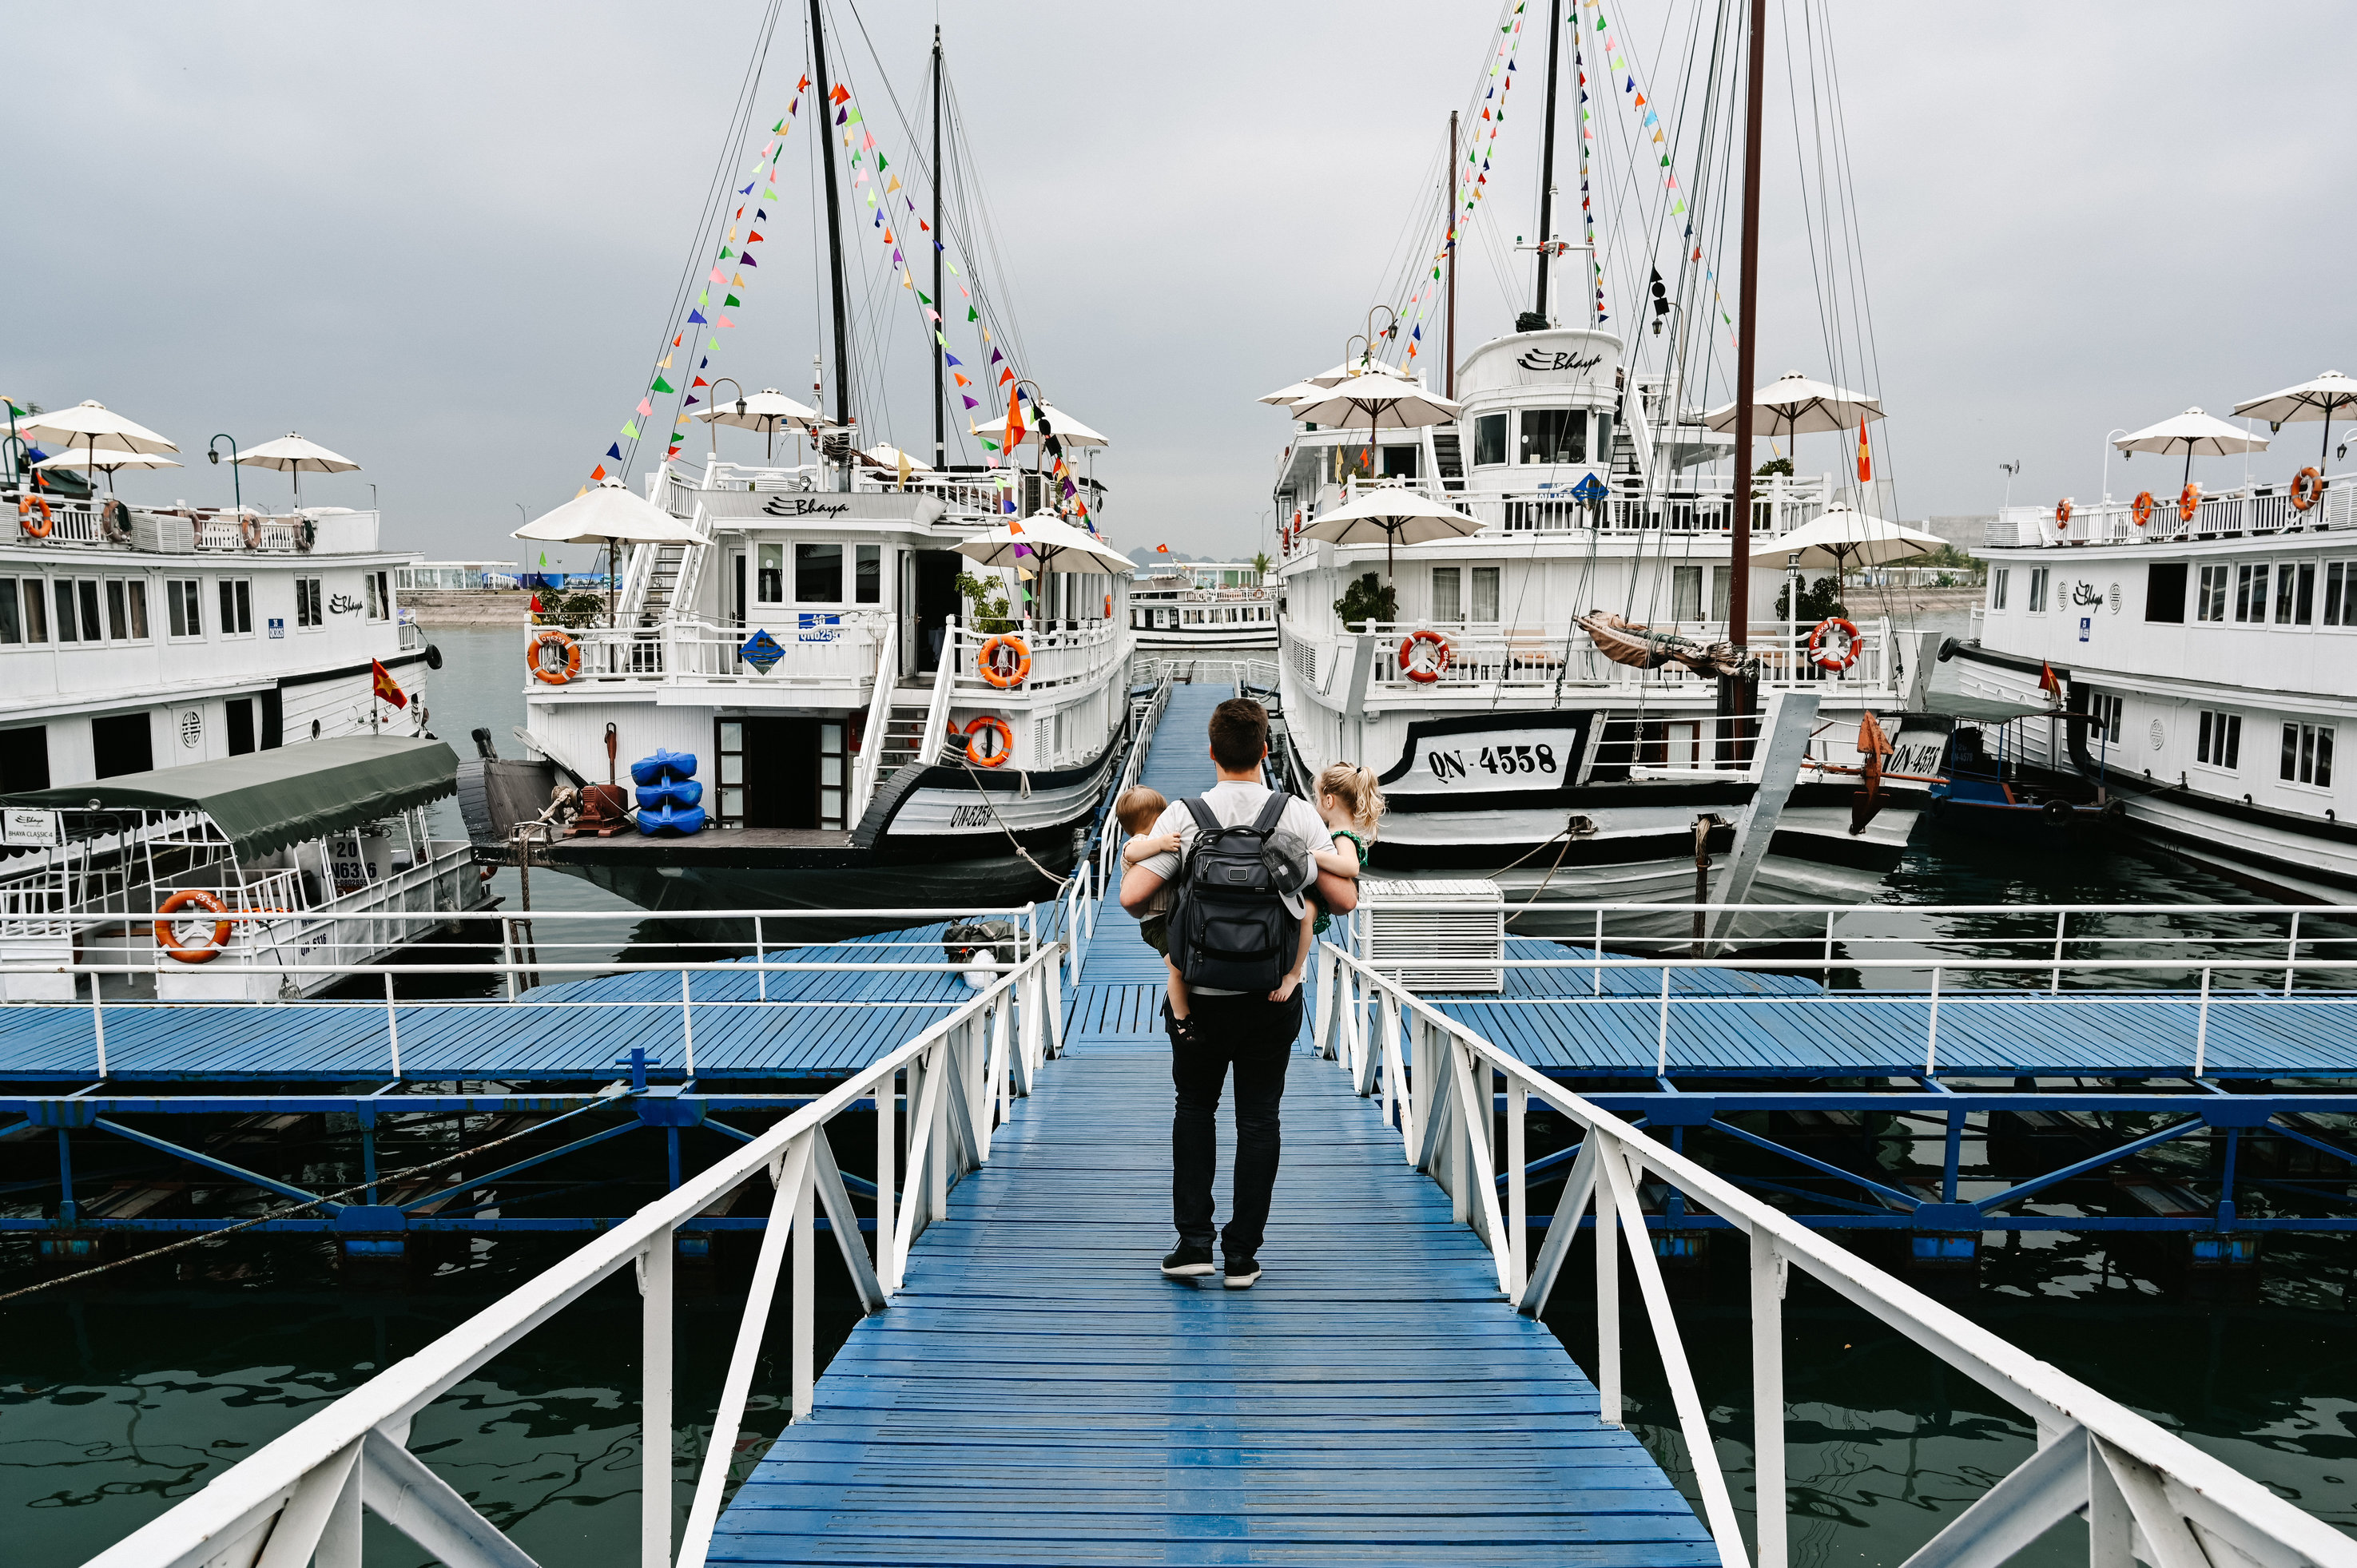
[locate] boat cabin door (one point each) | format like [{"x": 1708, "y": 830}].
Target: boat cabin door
[
  {"x": 782, "y": 773},
  {"x": 928, "y": 598}
]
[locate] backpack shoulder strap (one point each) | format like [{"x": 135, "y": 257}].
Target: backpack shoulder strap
[
  {"x": 1204, "y": 821},
  {"x": 1270, "y": 814}
]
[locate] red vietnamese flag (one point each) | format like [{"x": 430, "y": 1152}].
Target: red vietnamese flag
[
  {"x": 1865, "y": 456},
  {"x": 385, "y": 687},
  {"x": 535, "y": 604},
  {"x": 2046, "y": 681},
  {"x": 1014, "y": 431}
]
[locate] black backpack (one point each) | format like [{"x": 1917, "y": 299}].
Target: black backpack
[{"x": 1229, "y": 927}]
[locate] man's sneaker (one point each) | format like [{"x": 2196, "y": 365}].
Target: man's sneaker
[
  {"x": 1188, "y": 1263},
  {"x": 1243, "y": 1272}
]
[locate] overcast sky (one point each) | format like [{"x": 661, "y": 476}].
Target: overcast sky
[{"x": 443, "y": 239}]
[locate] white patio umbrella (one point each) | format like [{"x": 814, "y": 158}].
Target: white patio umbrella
[
  {"x": 2320, "y": 399},
  {"x": 1844, "y": 537},
  {"x": 1395, "y": 516},
  {"x": 1351, "y": 370},
  {"x": 108, "y": 462},
  {"x": 1797, "y": 405},
  {"x": 765, "y": 411},
  {"x": 1061, "y": 426},
  {"x": 610, "y": 514},
  {"x": 2195, "y": 433},
  {"x": 1284, "y": 397},
  {"x": 1378, "y": 401},
  {"x": 1048, "y": 544},
  {"x": 95, "y": 428},
  {"x": 290, "y": 453}
]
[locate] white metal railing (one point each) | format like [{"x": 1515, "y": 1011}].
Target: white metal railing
[
  {"x": 305, "y": 1491},
  {"x": 2249, "y": 510},
  {"x": 1260, "y": 674},
  {"x": 822, "y": 648},
  {"x": 1779, "y": 504},
  {"x": 1073, "y": 658},
  {"x": 880, "y": 717},
  {"x": 936, "y": 706},
  {"x": 1492, "y": 657},
  {"x": 2144, "y": 1491},
  {"x": 177, "y": 530},
  {"x": 1109, "y": 841}
]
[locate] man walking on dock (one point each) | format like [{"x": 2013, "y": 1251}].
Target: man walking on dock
[{"x": 1251, "y": 1031}]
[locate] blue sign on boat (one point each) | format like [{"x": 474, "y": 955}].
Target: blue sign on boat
[
  {"x": 1589, "y": 489},
  {"x": 762, "y": 651},
  {"x": 818, "y": 626}
]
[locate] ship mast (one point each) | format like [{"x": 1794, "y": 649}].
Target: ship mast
[
  {"x": 833, "y": 248},
  {"x": 1546, "y": 157},
  {"x": 1734, "y": 692},
  {"x": 1448, "y": 244},
  {"x": 940, "y": 385}
]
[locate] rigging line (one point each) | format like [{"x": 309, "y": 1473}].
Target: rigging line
[
  {"x": 715, "y": 199},
  {"x": 973, "y": 209},
  {"x": 1827, "y": 330},
  {"x": 1864, "y": 314}
]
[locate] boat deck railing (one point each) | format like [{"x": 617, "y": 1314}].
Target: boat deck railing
[
  {"x": 2247, "y": 510},
  {"x": 1541, "y": 656}
]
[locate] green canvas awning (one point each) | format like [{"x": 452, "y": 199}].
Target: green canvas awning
[{"x": 266, "y": 801}]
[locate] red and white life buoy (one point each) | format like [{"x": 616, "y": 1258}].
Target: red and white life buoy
[
  {"x": 2062, "y": 512},
  {"x": 2307, "y": 489},
  {"x": 991, "y": 725},
  {"x": 193, "y": 950},
  {"x": 1423, "y": 674},
  {"x": 1821, "y": 652}
]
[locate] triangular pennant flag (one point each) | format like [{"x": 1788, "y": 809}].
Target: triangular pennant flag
[
  {"x": 630, "y": 428},
  {"x": 724, "y": 321},
  {"x": 732, "y": 299},
  {"x": 645, "y": 409},
  {"x": 662, "y": 386},
  {"x": 696, "y": 316},
  {"x": 597, "y": 473}
]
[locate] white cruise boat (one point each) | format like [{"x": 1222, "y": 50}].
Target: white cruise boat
[
  {"x": 160, "y": 659},
  {"x": 1529, "y": 753},
  {"x": 872, "y": 747},
  {"x": 2201, "y": 635},
  {"x": 1202, "y": 605}
]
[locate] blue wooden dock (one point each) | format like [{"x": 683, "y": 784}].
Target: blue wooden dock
[{"x": 1039, "y": 1393}]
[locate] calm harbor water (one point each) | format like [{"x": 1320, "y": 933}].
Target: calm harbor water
[{"x": 120, "y": 1396}]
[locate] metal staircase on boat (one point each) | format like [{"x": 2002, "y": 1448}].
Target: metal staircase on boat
[
  {"x": 904, "y": 734},
  {"x": 1448, "y": 457}
]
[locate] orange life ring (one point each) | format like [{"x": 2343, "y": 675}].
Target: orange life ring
[
  {"x": 1825, "y": 659},
  {"x": 2062, "y": 512},
  {"x": 169, "y": 940},
  {"x": 1440, "y": 658},
  {"x": 25, "y": 510},
  {"x": 2188, "y": 501},
  {"x": 2307, "y": 489},
  {"x": 1000, "y": 676},
  {"x": 2140, "y": 509},
  {"x": 542, "y": 670},
  {"x": 251, "y": 529},
  {"x": 989, "y": 723}
]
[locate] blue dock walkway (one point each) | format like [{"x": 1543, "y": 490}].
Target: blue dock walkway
[{"x": 1039, "y": 1393}]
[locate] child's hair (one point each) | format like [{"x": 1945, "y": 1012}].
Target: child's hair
[
  {"x": 1138, "y": 808},
  {"x": 1355, "y": 787}
]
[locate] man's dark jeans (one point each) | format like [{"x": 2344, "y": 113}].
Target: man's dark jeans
[{"x": 1253, "y": 1035}]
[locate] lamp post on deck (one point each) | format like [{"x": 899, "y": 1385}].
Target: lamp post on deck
[
  {"x": 2106, "y": 491},
  {"x": 212, "y": 455}
]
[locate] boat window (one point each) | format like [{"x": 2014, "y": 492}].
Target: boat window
[
  {"x": 818, "y": 574},
  {"x": 1485, "y": 594},
  {"x": 380, "y": 596},
  {"x": 86, "y": 591},
  {"x": 2251, "y": 592},
  {"x": 2332, "y": 585},
  {"x": 2037, "y": 590},
  {"x": 1685, "y": 593},
  {"x": 1490, "y": 439},
  {"x": 2307, "y": 755},
  {"x": 1399, "y": 462},
  {"x": 2209, "y": 604},
  {"x": 2107, "y": 709},
  {"x": 2220, "y": 741},
  {"x": 118, "y": 611},
  {"x": 2164, "y": 592},
  {"x": 37, "y": 612},
  {"x": 310, "y": 613},
  {"x": 1446, "y": 604},
  {"x": 867, "y": 579},
  {"x": 2296, "y": 594},
  {"x": 1555, "y": 435},
  {"x": 1999, "y": 581},
  {"x": 237, "y": 604},
  {"x": 10, "y": 631},
  {"x": 770, "y": 578},
  {"x": 830, "y": 772}
]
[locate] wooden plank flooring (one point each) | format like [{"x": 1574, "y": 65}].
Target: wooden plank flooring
[{"x": 1039, "y": 1395}]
